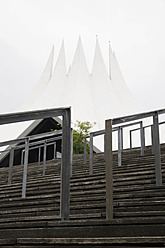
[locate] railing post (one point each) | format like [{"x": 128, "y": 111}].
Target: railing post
[
  {"x": 142, "y": 138},
  {"x": 91, "y": 154},
  {"x": 85, "y": 150},
  {"x": 65, "y": 170},
  {"x": 39, "y": 155},
  {"x": 54, "y": 151},
  {"x": 152, "y": 139},
  {"x": 22, "y": 155},
  {"x": 71, "y": 151},
  {"x": 119, "y": 146},
  {"x": 104, "y": 147},
  {"x": 44, "y": 159},
  {"x": 11, "y": 165},
  {"x": 121, "y": 139},
  {"x": 157, "y": 150},
  {"x": 25, "y": 168},
  {"x": 109, "y": 170},
  {"x": 130, "y": 138}
]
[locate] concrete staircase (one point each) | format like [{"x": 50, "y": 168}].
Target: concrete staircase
[{"x": 34, "y": 221}]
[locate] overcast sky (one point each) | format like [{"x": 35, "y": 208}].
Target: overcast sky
[{"x": 29, "y": 28}]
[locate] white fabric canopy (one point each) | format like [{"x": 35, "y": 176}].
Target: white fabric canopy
[{"x": 93, "y": 97}]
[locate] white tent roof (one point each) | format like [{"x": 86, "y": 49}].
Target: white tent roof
[{"x": 92, "y": 97}]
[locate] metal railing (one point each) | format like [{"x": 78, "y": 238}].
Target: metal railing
[
  {"x": 111, "y": 125},
  {"x": 109, "y": 156},
  {"x": 38, "y": 145},
  {"x": 119, "y": 129},
  {"x": 147, "y": 126},
  {"x": 66, "y": 149},
  {"x": 32, "y": 145}
]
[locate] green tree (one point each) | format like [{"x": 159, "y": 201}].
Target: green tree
[{"x": 81, "y": 130}]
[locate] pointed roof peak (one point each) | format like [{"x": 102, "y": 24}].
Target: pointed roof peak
[
  {"x": 97, "y": 47},
  {"x": 79, "y": 53},
  {"x": 98, "y": 61},
  {"x": 47, "y": 73},
  {"x": 79, "y": 43},
  {"x": 97, "y": 40},
  {"x": 79, "y": 60},
  {"x": 79, "y": 39},
  {"x": 60, "y": 66}
]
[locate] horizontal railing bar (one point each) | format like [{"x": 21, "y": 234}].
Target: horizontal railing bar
[
  {"x": 136, "y": 129},
  {"x": 11, "y": 142},
  {"x": 163, "y": 122},
  {"x": 160, "y": 123},
  {"x": 134, "y": 117},
  {"x": 52, "y": 133},
  {"x": 32, "y": 115},
  {"x": 36, "y": 147},
  {"x": 100, "y": 132},
  {"x": 161, "y": 111},
  {"x": 130, "y": 124},
  {"x": 39, "y": 142},
  {"x": 34, "y": 143}
]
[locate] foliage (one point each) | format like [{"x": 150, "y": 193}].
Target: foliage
[
  {"x": 81, "y": 130},
  {"x": 58, "y": 124}
]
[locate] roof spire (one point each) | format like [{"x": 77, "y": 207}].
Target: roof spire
[
  {"x": 47, "y": 73},
  {"x": 98, "y": 61},
  {"x": 60, "y": 67}
]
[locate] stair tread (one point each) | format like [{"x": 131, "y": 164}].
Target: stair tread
[{"x": 106, "y": 240}]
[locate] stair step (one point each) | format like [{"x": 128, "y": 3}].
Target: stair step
[{"x": 93, "y": 241}]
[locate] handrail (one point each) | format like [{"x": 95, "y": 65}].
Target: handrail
[
  {"x": 32, "y": 137},
  {"x": 144, "y": 127},
  {"x": 41, "y": 144},
  {"x": 109, "y": 156},
  {"x": 66, "y": 149},
  {"x": 120, "y": 142}
]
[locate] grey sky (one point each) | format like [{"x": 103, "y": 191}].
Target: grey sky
[{"x": 29, "y": 28}]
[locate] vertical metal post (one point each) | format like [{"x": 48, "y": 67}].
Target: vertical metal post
[
  {"x": 54, "y": 151},
  {"x": 91, "y": 154},
  {"x": 39, "y": 155},
  {"x": 142, "y": 138},
  {"x": 22, "y": 155},
  {"x": 44, "y": 159},
  {"x": 85, "y": 150},
  {"x": 11, "y": 160},
  {"x": 109, "y": 170},
  {"x": 25, "y": 168},
  {"x": 119, "y": 146},
  {"x": 157, "y": 150},
  {"x": 130, "y": 139},
  {"x": 152, "y": 139},
  {"x": 65, "y": 170},
  {"x": 104, "y": 147},
  {"x": 121, "y": 139},
  {"x": 71, "y": 151}
]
